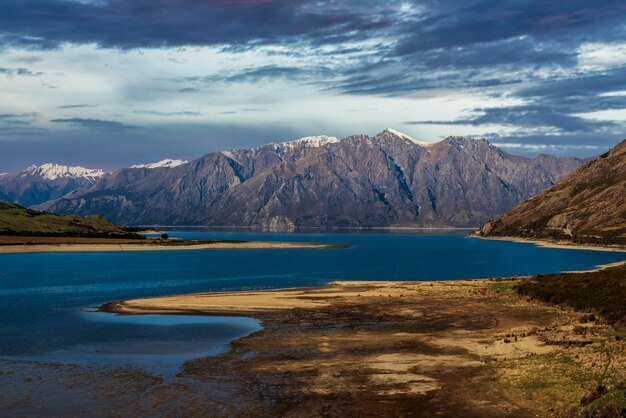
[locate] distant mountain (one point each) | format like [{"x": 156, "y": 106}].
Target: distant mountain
[
  {"x": 589, "y": 206},
  {"x": 19, "y": 221},
  {"x": 161, "y": 164},
  {"x": 38, "y": 184},
  {"x": 51, "y": 171},
  {"x": 389, "y": 179}
]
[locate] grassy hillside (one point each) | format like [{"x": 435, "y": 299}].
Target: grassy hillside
[
  {"x": 16, "y": 220},
  {"x": 602, "y": 292}
]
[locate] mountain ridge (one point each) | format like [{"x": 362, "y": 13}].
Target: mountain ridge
[
  {"x": 389, "y": 179},
  {"x": 53, "y": 171},
  {"x": 37, "y": 184},
  {"x": 166, "y": 163}
]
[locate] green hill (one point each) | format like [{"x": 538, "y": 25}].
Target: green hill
[{"x": 19, "y": 221}]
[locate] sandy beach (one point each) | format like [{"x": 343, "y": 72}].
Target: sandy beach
[
  {"x": 148, "y": 246},
  {"x": 554, "y": 244}
]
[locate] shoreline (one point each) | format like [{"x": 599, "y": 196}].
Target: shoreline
[
  {"x": 141, "y": 246},
  {"x": 599, "y": 267},
  {"x": 554, "y": 244},
  {"x": 315, "y": 228},
  {"x": 391, "y": 348},
  {"x": 262, "y": 302}
]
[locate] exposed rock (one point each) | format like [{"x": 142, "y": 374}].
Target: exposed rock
[
  {"x": 390, "y": 179},
  {"x": 589, "y": 206}
]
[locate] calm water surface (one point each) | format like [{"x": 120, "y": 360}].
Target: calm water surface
[{"x": 46, "y": 299}]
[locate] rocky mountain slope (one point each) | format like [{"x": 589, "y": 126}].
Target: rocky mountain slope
[
  {"x": 38, "y": 184},
  {"x": 589, "y": 206},
  {"x": 389, "y": 179}
]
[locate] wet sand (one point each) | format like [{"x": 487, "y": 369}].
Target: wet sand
[{"x": 462, "y": 348}]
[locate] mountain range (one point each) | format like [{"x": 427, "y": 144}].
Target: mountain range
[
  {"x": 588, "y": 206},
  {"x": 389, "y": 179},
  {"x": 38, "y": 184}
]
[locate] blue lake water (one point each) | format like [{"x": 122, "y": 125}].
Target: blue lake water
[{"x": 47, "y": 299}]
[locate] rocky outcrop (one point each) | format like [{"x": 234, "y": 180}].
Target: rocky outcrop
[
  {"x": 386, "y": 180},
  {"x": 589, "y": 206}
]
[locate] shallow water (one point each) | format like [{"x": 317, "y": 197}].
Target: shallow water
[
  {"x": 158, "y": 343},
  {"x": 45, "y": 298}
]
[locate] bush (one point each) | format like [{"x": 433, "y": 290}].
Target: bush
[{"x": 164, "y": 236}]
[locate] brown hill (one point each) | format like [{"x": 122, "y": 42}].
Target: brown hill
[{"x": 588, "y": 206}]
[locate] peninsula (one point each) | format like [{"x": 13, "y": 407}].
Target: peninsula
[{"x": 24, "y": 230}]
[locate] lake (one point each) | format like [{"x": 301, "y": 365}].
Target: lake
[{"x": 47, "y": 299}]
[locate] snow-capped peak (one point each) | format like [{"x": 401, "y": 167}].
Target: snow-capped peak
[
  {"x": 408, "y": 138},
  {"x": 51, "y": 171},
  {"x": 168, "y": 163},
  {"x": 309, "y": 141}
]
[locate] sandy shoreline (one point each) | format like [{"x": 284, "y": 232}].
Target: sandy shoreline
[
  {"x": 553, "y": 244},
  {"x": 393, "y": 349},
  {"x": 251, "y": 245},
  {"x": 267, "y": 301}
]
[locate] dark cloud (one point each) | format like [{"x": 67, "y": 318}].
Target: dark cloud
[
  {"x": 18, "y": 115},
  {"x": 188, "y": 90},
  {"x": 157, "y": 113},
  {"x": 16, "y": 120},
  {"x": 24, "y": 72},
  {"x": 526, "y": 50},
  {"x": 491, "y": 47},
  {"x": 96, "y": 124},
  {"x": 585, "y": 85},
  {"x": 463, "y": 23},
  {"x": 156, "y": 23},
  {"x": 530, "y": 116},
  {"x": 507, "y": 52},
  {"x": 258, "y": 74},
  {"x": 76, "y": 106},
  {"x": 557, "y": 104}
]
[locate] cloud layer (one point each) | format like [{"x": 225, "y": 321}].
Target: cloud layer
[{"x": 530, "y": 75}]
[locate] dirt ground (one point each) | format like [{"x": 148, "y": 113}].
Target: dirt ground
[{"x": 462, "y": 348}]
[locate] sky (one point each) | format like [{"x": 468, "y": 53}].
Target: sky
[{"x": 110, "y": 83}]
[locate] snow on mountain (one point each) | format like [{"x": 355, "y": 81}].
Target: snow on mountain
[
  {"x": 51, "y": 171},
  {"x": 309, "y": 142},
  {"x": 168, "y": 163},
  {"x": 408, "y": 138}
]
